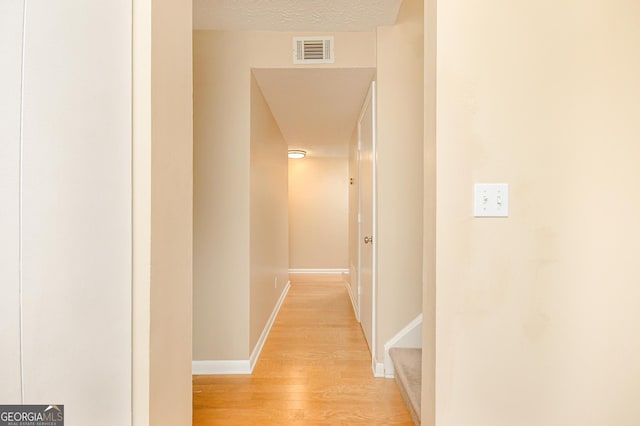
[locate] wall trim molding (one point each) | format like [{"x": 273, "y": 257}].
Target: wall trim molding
[
  {"x": 319, "y": 271},
  {"x": 241, "y": 366},
  {"x": 203, "y": 367},
  {"x": 257, "y": 350},
  {"x": 353, "y": 301},
  {"x": 379, "y": 369},
  {"x": 415, "y": 326}
]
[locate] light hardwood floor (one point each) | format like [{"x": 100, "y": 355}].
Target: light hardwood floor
[{"x": 315, "y": 369}]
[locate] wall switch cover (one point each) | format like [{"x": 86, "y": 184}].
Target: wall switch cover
[{"x": 491, "y": 200}]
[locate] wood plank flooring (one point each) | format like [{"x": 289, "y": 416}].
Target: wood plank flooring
[{"x": 315, "y": 369}]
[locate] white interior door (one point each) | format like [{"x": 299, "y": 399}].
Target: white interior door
[{"x": 367, "y": 219}]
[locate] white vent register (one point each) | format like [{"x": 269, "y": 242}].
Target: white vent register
[{"x": 313, "y": 50}]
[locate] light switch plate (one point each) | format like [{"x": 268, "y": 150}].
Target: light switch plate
[{"x": 491, "y": 200}]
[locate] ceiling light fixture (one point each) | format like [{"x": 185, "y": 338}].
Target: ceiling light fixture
[{"x": 297, "y": 153}]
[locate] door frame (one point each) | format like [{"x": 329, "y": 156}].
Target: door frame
[{"x": 371, "y": 96}]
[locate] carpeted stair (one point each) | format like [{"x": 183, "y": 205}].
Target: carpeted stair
[{"x": 407, "y": 364}]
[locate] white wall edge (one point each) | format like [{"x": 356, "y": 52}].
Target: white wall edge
[
  {"x": 396, "y": 341},
  {"x": 319, "y": 271},
  {"x": 241, "y": 366},
  {"x": 379, "y": 369},
  {"x": 353, "y": 301},
  {"x": 257, "y": 350}
]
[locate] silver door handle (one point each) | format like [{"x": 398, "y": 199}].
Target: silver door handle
[{"x": 368, "y": 240}]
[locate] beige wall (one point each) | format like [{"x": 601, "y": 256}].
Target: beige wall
[
  {"x": 319, "y": 213},
  {"x": 221, "y": 198},
  {"x": 400, "y": 172},
  {"x": 268, "y": 227},
  {"x": 428, "y": 395},
  {"x": 171, "y": 213},
  {"x": 222, "y": 111},
  {"x": 10, "y": 83},
  {"x": 162, "y": 213},
  {"x": 537, "y": 314},
  {"x": 74, "y": 173}
]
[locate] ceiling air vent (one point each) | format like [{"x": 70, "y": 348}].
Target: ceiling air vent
[{"x": 313, "y": 50}]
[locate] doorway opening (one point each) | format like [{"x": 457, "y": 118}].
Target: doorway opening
[{"x": 329, "y": 114}]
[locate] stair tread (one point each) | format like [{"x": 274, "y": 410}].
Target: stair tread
[{"x": 407, "y": 364}]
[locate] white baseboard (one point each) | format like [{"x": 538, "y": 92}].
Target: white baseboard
[
  {"x": 255, "y": 354},
  {"x": 240, "y": 366},
  {"x": 409, "y": 337},
  {"x": 318, "y": 271},
  {"x": 353, "y": 301},
  {"x": 379, "y": 369}
]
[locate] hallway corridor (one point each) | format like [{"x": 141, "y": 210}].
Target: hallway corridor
[{"x": 315, "y": 369}]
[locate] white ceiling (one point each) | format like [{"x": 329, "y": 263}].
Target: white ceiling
[
  {"x": 316, "y": 109},
  {"x": 294, "y": 15}
]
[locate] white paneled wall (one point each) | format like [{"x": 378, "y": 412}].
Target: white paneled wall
[
  {"x": 76, "y": 207},
  {"x": 10, "y": 77}
]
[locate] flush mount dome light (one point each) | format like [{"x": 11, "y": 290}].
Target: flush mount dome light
[{"x": 297, "y": 153}]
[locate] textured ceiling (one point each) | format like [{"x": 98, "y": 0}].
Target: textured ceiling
[
  {"x": 294, "y": 15},
  {"x": 316, "y": 109}
]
